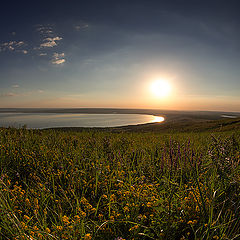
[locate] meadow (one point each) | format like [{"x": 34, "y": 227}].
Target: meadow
[{"x": 119, "y": 185}]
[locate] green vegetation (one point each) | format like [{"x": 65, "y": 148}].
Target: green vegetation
[{"x": 106, "y": 185}]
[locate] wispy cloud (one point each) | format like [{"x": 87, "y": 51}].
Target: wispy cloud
[
  {"x": 50, "y": 42},
  {"x": 58, "y": 55},
  {"x": 48, "y": 39},
  {"x": 81, "y": 26},
  {"x": 48, "y": 35},
  {"x": 45, "y": 30},
  {"x": 15, "y": 86},
  {"x": 58, "y": 58},
  {"x": 13, "y": 46},
  {"x": 57, "y": 62},
  {"x": 9, "y": 94},
  {"x": 22, "y": 94}
]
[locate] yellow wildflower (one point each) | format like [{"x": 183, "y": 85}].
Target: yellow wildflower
[
  {"x": 87, "y": 236},
  {"x": 77, "y": 218},
  {"x": 35, "y": 228},
  {"x": 112, "y": 198},
  {"x": 24, "y": 225},
  {"x": 126, "y": 209},
  {"x": 82, "y": 213},
  {"x": 65, "y": 219},
  {"x": 26, "y": 217},
  {"x": 27, "y": 201},
  {"x": 149, "y": 204},
  {"x": 133, "y": 228},
  {"x": 59, "y": 228},
  {"x": 36, "y": 203}
]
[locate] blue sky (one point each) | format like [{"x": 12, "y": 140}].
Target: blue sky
[{"x": 107, "y": 53}]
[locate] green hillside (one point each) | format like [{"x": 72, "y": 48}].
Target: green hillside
[{"x": 172, "y": 181}]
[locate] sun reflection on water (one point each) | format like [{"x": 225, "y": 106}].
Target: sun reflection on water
[{"x": 157, "y": 119}]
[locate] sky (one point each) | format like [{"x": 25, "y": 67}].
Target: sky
[{"x": 75, "y": 54}]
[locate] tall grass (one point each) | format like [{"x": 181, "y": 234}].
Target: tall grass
[{"x": 98, "y": 185}]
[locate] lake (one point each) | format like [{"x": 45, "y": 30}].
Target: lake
[{"x": 51, "y": 120}]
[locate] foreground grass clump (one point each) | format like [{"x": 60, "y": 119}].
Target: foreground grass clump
[{"x": 99, "y": 185}]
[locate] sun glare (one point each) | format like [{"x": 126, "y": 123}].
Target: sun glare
[
  {"x": 157, "y": 119},
  {"x": 160, "y": 88}
]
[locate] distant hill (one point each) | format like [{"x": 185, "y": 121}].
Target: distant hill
[
  {"x": 184, "y": 124},
  {"x": 188, "y": 125}
]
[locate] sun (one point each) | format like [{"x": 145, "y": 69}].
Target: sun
[{"x": 160, "y": 88}]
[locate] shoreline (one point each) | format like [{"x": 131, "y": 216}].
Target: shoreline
[{"x": 172, "y": 119}]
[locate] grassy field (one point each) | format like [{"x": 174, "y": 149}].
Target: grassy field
[{"x": 119, "y": 185}]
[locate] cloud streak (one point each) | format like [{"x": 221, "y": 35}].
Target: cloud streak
[
  {"x": 48, "y": 35},
  {"x": 24, "y": 94},
  {"x": 13, "y": 46},
  {"x": 58, "y": 58},
  {"x": 81, "y": 26},
  {"x": 57, "y": 62},
  {"x": 9, "y": 94},
  {"x": 45, "y": 30},
  {"x": 50, "y": 42}
]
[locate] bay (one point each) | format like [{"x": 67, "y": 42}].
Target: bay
[{"x": 51, "y": 120}]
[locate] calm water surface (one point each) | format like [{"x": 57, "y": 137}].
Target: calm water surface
[{"x": 49, "y": 120}]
